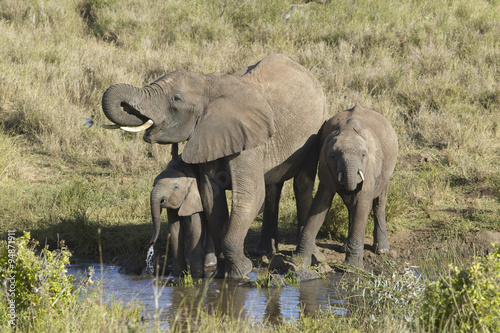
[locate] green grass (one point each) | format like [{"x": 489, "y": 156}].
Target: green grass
[{"x": 432, "y": 68}]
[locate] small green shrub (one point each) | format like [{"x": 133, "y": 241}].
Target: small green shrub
[
  {"x": 33, "y": 283},
  {"x": 466, "y": 299},
  {"x": 393, "y": 294}
]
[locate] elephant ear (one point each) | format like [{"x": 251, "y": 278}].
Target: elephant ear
[
  {"x": 374, "y": 168},
  {"x": 236, "y": 118},
  {"x": 192, "y": 203}
]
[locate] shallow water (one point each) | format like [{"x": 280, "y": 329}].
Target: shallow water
[{"x": 273, "y": 304}]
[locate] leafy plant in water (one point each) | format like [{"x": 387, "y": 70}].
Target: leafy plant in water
[
  {"x": 289, "y": 278},
  {"x": 466, "y": 299},
  {"x": 267, "y": 279},
  {"x": 186, "y": 278}
]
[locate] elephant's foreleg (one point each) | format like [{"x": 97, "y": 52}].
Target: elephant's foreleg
[
  {"x": 358, "y": 216},
  {"x": 210, "y": 257},
  {"x": 193, "y": 246},
  {"x": 307, "y": 239},
  {"x": 248, "y": 191},
  {"x": 175, "y": 235},
  {"x": 380, "y": 241},
  {"x": 268, "y": 241}
]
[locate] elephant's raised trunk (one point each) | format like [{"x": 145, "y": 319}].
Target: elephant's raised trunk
[
  {"x": 155, "y": 202},
  {"x": 120, "y": 104}
]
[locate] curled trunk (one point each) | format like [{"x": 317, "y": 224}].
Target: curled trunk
[{"x": 120, "y": 104}]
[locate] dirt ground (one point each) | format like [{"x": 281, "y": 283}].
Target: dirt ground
[{"x": 408, "y": 247}]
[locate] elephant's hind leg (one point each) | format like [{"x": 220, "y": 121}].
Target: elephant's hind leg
[
  {"x": 213, "y": 195},
  {"x": 303, "y": 186},
  {"x": 268, "y": 241}
]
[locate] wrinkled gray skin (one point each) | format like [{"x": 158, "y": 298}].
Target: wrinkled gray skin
[
  {"x": 246, "y": 131},
  {"x": 356, "y": 144},
  {"x": 176, "y": 189}
]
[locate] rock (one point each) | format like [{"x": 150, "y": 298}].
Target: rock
[
  {"x": 324, "y": 269},
  {"x": 305, "y": 274},
  {"x": 276, "y": 281}
]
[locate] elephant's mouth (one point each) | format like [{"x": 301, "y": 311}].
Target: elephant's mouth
[
  {"x": 340, "y": 176},
  {"x": 152, "y": 132},
  {"x": 139, "y": 128}
]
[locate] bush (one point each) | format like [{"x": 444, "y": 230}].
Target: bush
[
  {"x": 394, "y": 295},
  {"x": 40, "y": 280},
  {"x": 466, "y": 299}
]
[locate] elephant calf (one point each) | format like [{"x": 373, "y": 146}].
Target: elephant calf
[
  {"x": 176, "y": 189},
  {"x": 357, "y": 158}
]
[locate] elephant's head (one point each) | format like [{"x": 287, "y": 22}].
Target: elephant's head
[
  {"x": 349, "y": 155},
  {"x": 174, "y": 188},
  {"x": 219, "y": 115}
]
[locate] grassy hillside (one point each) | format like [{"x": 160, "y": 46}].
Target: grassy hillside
[{"x": 432, "y": 68}]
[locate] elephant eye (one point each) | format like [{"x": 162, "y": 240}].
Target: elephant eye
[{"x": 176, "y": 98}]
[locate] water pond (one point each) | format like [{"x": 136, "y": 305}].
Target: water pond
[{"x": 228, "y": 297}]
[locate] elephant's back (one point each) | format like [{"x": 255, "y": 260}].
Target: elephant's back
[{"x": 298, "y": 102}]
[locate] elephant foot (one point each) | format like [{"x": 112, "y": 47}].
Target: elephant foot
[
  {"x": 317, "y": 257},
  {"x": 218, "y": 272},
  {"x": 238, "y": 269},
  {"x": 380, "y": 248},
  {"x": 343, "y": 248},
  {"x": 355, "y": 260},
  {"x": 210, "y": 260}
]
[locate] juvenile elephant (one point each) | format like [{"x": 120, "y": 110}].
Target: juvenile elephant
[
  {"x": 357, "y": 158},
  {"x": 176, "y": 189},
  {"x": 248, "y": 130}
]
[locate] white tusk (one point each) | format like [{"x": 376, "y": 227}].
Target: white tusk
[
  {"x": 110, "y": 126},
  {"x": 340, "y": 176},
  {"x": 140, "y": 128},
  {"x": 361, "y": 175}
]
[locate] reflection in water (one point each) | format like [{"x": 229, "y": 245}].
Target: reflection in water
[{"x": 227, "y": 297}]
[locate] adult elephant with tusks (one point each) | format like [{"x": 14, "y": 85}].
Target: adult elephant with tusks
[{"x": 258, "y": 126}]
